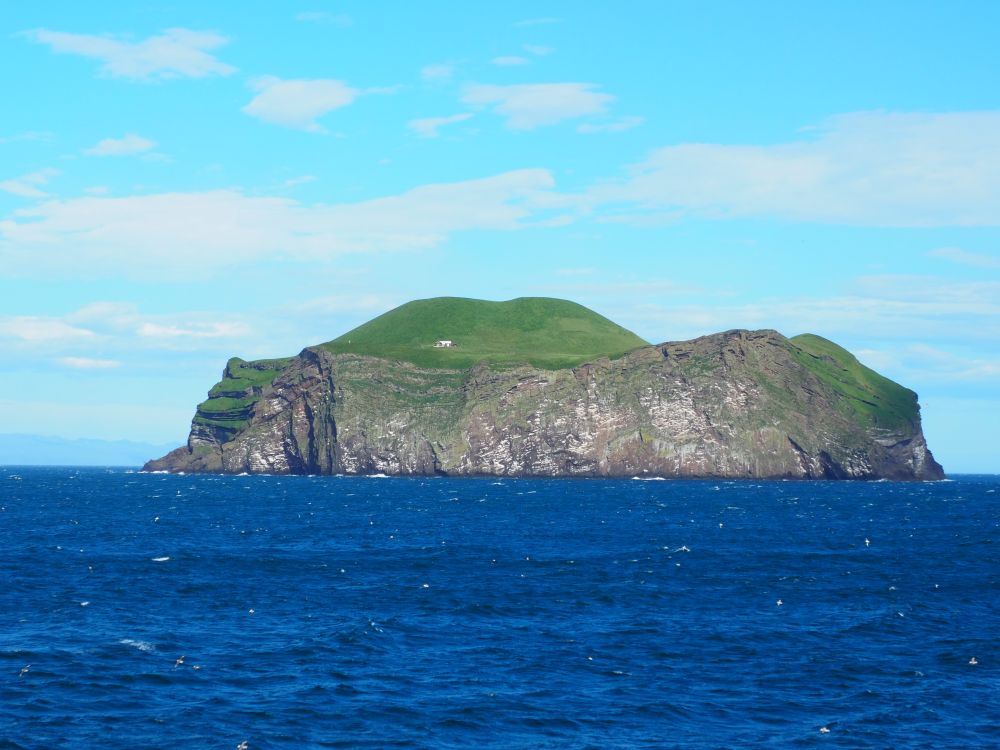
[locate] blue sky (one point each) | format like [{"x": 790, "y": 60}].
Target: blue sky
[{"x": 182, "y": 183}]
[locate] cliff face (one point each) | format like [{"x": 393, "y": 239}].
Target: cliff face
[{"x": 735, "y": 404}]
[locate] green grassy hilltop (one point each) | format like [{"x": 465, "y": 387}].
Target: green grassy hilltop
[
  {"x": 540, "y": 331},
  {"x": 871, "y": 398},
  {"x": 545, "y": 333}
]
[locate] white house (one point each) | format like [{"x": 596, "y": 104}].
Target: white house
[{"x": 444, "y": 344}]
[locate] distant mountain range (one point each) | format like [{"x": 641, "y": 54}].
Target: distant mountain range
[{"x": 44, "y": 450}]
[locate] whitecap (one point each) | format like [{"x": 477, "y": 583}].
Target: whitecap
[
  {"x": 159, "y": 559},
  {"x": 143, "y": 646}
]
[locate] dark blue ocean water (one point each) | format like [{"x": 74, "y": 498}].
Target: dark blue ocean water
[{"x": 318, "y": 612}]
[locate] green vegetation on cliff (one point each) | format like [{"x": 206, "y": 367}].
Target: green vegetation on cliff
[
  {"x": 539, "y": 331},
  {"x": 546, "y": 333},
  {"x": 230, "y": 402},
  {"x": 870, "y": 398}
]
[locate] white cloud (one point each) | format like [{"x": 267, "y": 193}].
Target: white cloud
[
  {"x": 198, "y": 331},
  {"x": 537, "y": 49},
  {"x": 888, "y": 308},
  {"x": 870, "y": 168},
  {"x": 532, "y": 105},
  {"x": 437, "y": 72},
  {"x": 86, "y": 363},
  {"x": 616, "y": 126},
  {"x": 510, "y": 60},
  {"x": 347, "y": 303},
  {"x": 207, "y": 231},
  {"x": 28, "y": 185},
  {"x": 174, "y": 53},
  {"x": 34, "y": 329},
  {"x": 921, "y": 363},
  {"x": 428, "y": 127},
  {"x": 30, "y": 135},
  {"x": 296, "y": 181},
  {"x": 965, "y": 258},
  {"x": 125, "y": 146},
  {"x": 297, "y": 103}
]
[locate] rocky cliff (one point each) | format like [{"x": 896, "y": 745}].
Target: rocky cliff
[{"x": 734, "y": 404}]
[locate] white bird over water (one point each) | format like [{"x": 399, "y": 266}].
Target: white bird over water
[
  {"x": 973, "y": 661},
  {"x": 24, "y": 670},
  {"x": 824, "y": 730},
  {"x": 243, "y": 745},
  {"x": 868, "y": 542},
  {"x": 780, "y": 602},
  {"x": 178, "y": 662}
]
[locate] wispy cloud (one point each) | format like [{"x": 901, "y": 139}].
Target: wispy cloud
[
  {"x": 125, "y": 146},
  {"x": 537, "y": 49},
  {"x": 88, "y": 363},
  {"x": 507, "y": 61},
  {"x": 888, "y": 308},
  {"x": 532, "y": 105},
  {"x": 200, "y": 331},
  {"x": 870, "y": 168},
  {"x": 174, "y": 53},
  {"x": 347, "y": 303},
  {"x": 225, "y": 228},
  {"x": 30, "y": 135},
  {"x": 437, "y": 72},
  {"x": 300, "y": 180},
  {"x": 298, "y": 103},
  {"x": 35, "y": 329},
  {"x": 965, "y": 258},
  {"x": 427, "y": 127},
  {"x": 29, "y": 185},
  {"x": 615, "y": 126}
]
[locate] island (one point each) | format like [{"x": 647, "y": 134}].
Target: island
[{"x": 540, "y": 387}]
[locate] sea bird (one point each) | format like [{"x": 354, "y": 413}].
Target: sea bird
[
  {"x": 780, "y": 602},
  {"x": 868, "y": 542},
  {"x": 178, "y": 662},
  {"x": 973, "y": 661},
  {"x": 24, "y": 670},
  {"x": 824, "y": 730}
]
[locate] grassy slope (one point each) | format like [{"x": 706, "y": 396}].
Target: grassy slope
[
  {"x": 868, "y": 397},
  {"x": 232, "y": 398},
  {"x": 547, "y": 333}
]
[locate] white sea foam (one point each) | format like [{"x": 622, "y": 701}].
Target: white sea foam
[
  {"x": 377, "y": 476},
  {"x": 159, "y": 559},
  {"x": 650, "y": 479},
  {"x": 143, "y": 646}
]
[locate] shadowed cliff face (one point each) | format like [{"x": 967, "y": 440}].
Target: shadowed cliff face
[{"x": 735, "y": 404}]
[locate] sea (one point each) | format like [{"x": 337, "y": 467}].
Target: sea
[{"x": 171, "y": 611}]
